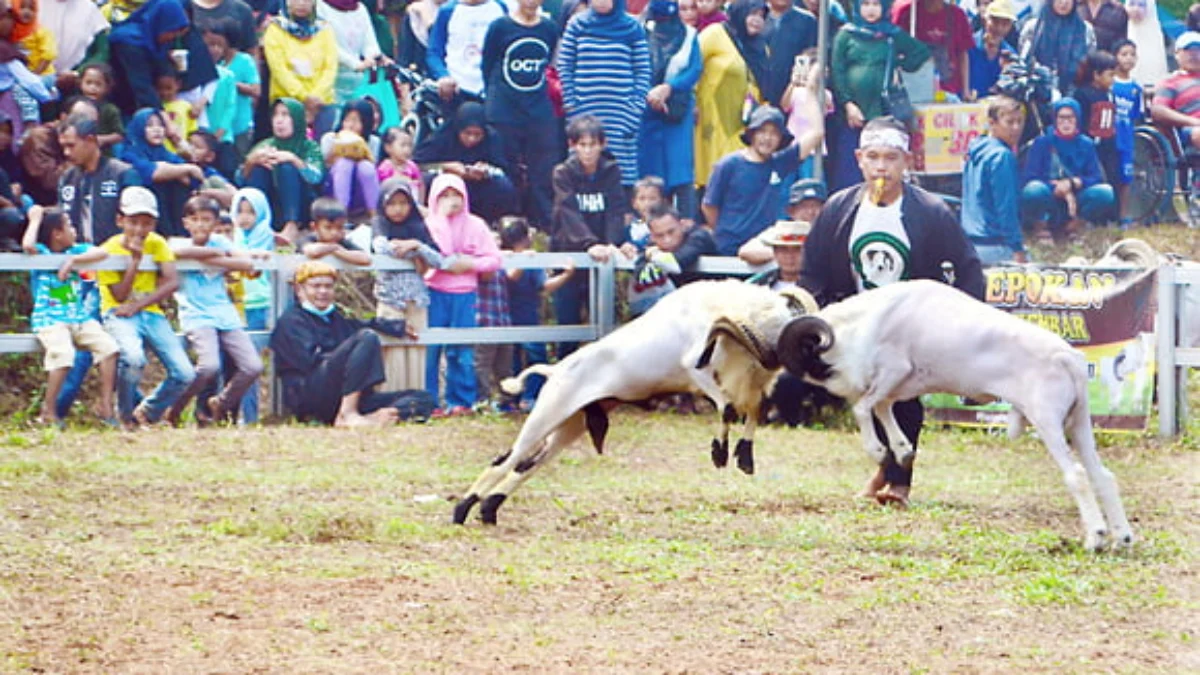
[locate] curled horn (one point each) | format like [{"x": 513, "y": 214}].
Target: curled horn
[
  {"x": 801, "y": 344},
  {"x": 744, "y": 335}
]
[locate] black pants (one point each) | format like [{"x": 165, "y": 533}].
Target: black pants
[
  {"x": 536, "y": 147},
  {"x": 910, "y": 415},
  {"x": 356, "y": 366}
]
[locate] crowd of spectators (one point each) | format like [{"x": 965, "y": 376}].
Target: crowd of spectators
[{"x": 659, "y": 131}]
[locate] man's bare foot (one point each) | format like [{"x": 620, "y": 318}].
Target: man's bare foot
[
  {"x": 385, "y": 416},
  {"x": 355, "y": 421},
  {"x": 874, "y": 485},
  {"x": 140, "y": 420},
  {"x": 893, "y": 495}
]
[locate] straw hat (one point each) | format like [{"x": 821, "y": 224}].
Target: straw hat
[
  {"x": 787, "y": 233},
  {"x": 1002, "y": 9},
  {"x": 314, "y": 268}
]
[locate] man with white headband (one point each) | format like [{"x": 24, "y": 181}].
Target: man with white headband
[{"x": 882, "y": 231}]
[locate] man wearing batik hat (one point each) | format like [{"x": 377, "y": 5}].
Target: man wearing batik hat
[
  {"x": 879, "y": 232},
  {"x": 331, "y": 364}
]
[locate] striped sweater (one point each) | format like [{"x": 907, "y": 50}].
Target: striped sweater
[{"x": 610, "y": 80}]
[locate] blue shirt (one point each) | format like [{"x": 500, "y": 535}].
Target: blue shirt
[
  {"x": 748, "y": 194},
  {"x": 1127, "y": 96},
  {"x": 525, "y": 298},
  {"x": 55, "y": 301},
  {"x": 203, "y": 299},
  {"x": 244, "y": 72},
  {"x": 990, "y": 195},
  {"x": 984, "y": 72}
]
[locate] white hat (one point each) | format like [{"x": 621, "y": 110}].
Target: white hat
[
  {"x": 136, "y": 200},
  {"x": 786, "y": 233}
]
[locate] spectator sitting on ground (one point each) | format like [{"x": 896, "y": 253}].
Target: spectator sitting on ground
[
  {"x": 331, "y": 364},
  {"x": 746, "y": 189},
  {"x": 990, "y": 179},
  {"x": 805, "y": 199},
  {"x": 1064, "y": 184}
]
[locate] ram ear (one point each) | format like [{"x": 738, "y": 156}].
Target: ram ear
[
  {"x": 801, "y": 344},
  {"x": 745, "y": 336}
]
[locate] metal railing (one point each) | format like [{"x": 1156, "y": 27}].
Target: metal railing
[{"x": 1174, "y": 360}]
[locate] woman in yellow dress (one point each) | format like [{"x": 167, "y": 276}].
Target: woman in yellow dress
[{"x": 735, "y": 60}]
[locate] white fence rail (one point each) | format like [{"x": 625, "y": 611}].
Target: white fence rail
[{"x": 1174, "y": 361}]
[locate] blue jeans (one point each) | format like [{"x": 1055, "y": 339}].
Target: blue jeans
[
  {"x": 256, "y": 319},
  {"x": 991, "y": 254},
  {"x": 526, "y": 354},
  {"x": 132, "y": 335},
  {"x": 290, "y": 196},
  {"x": 452, "y": 310},
  {"x": 1038, "y": 203},
  {"x": 83, "y": 359},
  {"x": 569, "y": 302}
]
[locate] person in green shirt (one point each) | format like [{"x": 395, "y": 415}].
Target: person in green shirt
[{"x": 860, "y": 55}]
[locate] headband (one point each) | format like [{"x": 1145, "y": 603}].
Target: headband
[
  {"x": 314, "y": 268},
  {"x": 886, "y": 137}
]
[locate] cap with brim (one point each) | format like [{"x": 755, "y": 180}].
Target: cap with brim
[
  {"x": 762, "y": 116},
  {"x": 1188, "y": 40},
  {"x": 314, "y": 268},
  {"x": 787, "y": 233},
  {"x": 137, "y": 200},
  {"x": 1002, "y": 9},
  {"x": 807, "y": 188}
]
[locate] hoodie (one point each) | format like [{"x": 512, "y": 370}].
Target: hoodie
[
  {"x": 461, "y": 234},
  {"x": 990, "y": 195},
  {"x": 260, "y": 237},
  {"x": 398, "y": 289},
  {"x": 588, "y": 209}
]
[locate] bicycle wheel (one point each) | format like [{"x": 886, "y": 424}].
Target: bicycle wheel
[{"x": 1153, "y": 175}]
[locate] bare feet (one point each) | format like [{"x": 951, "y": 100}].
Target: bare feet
[
  {"x": 874, "y": 485},
  {"x": 381, "y": 417},
  {"x": 140, "y": 420},
  {"x": 215, "y": 411},
  {"x": 385, "y": 416},
  {"x": 893, "y": 495}
]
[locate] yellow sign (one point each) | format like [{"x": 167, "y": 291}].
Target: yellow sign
[{"x": 944, "y": 131}]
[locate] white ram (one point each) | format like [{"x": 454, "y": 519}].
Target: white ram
[
  {"x": 920, "y": 337},
  {"x": 710, "y": 337}
]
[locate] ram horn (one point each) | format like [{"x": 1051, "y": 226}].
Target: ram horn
[
  {"x": 742, "y": 334},
  {"x": 800, "y": 301},
  {"x": 801, "y": 344}
]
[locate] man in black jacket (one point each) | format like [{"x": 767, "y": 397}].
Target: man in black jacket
[
  {"x": 330, "y": 364},
  {"x": 878, "y": 232}
]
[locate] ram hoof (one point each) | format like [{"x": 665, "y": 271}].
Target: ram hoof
[
  {"x": 720, "y": 453},
  {"x": 745, "y": 456},
  {"x": 491, "y": 504},
  {"x": 463, "y": 509}
]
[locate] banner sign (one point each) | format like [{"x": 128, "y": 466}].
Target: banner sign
[
  {"x": 1107, "y": 314},
  {"x": 944, "y": 130}
]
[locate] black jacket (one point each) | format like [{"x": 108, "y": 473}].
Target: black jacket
[
  {"x": 588, "y": 210},
  {"x": 105, "y": 186},
  {"x": 697, "y": 242},
  {"x": 933, "y": 233}
]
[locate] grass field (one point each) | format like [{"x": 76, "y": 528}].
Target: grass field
[{"x": 293, "y": 549}]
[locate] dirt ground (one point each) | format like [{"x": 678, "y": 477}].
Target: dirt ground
[{"x": 295, "y": 549}]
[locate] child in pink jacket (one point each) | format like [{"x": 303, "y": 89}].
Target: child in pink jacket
[{"x": 467, "y": 240}]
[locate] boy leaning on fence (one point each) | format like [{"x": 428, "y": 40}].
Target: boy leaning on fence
[
  {"x": 61, "y": 318},
  {"x": 129, "y": 303}
]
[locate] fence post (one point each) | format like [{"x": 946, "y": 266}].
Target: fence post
[
  {"x": 1165, "y": 327},
  {"x": 606, "y": 298},
  {"x": 279, "y": 291}
]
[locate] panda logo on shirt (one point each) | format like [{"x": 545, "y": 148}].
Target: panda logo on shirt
[{"x": 525, "y": 64}]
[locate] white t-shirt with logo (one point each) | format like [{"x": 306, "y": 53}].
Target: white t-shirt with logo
[{"x": 880, "y": 252}]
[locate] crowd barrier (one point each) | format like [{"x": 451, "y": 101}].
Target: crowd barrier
[
  {"x": 1174, "y": 361},
  {"x": 602, "y": 301}
]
